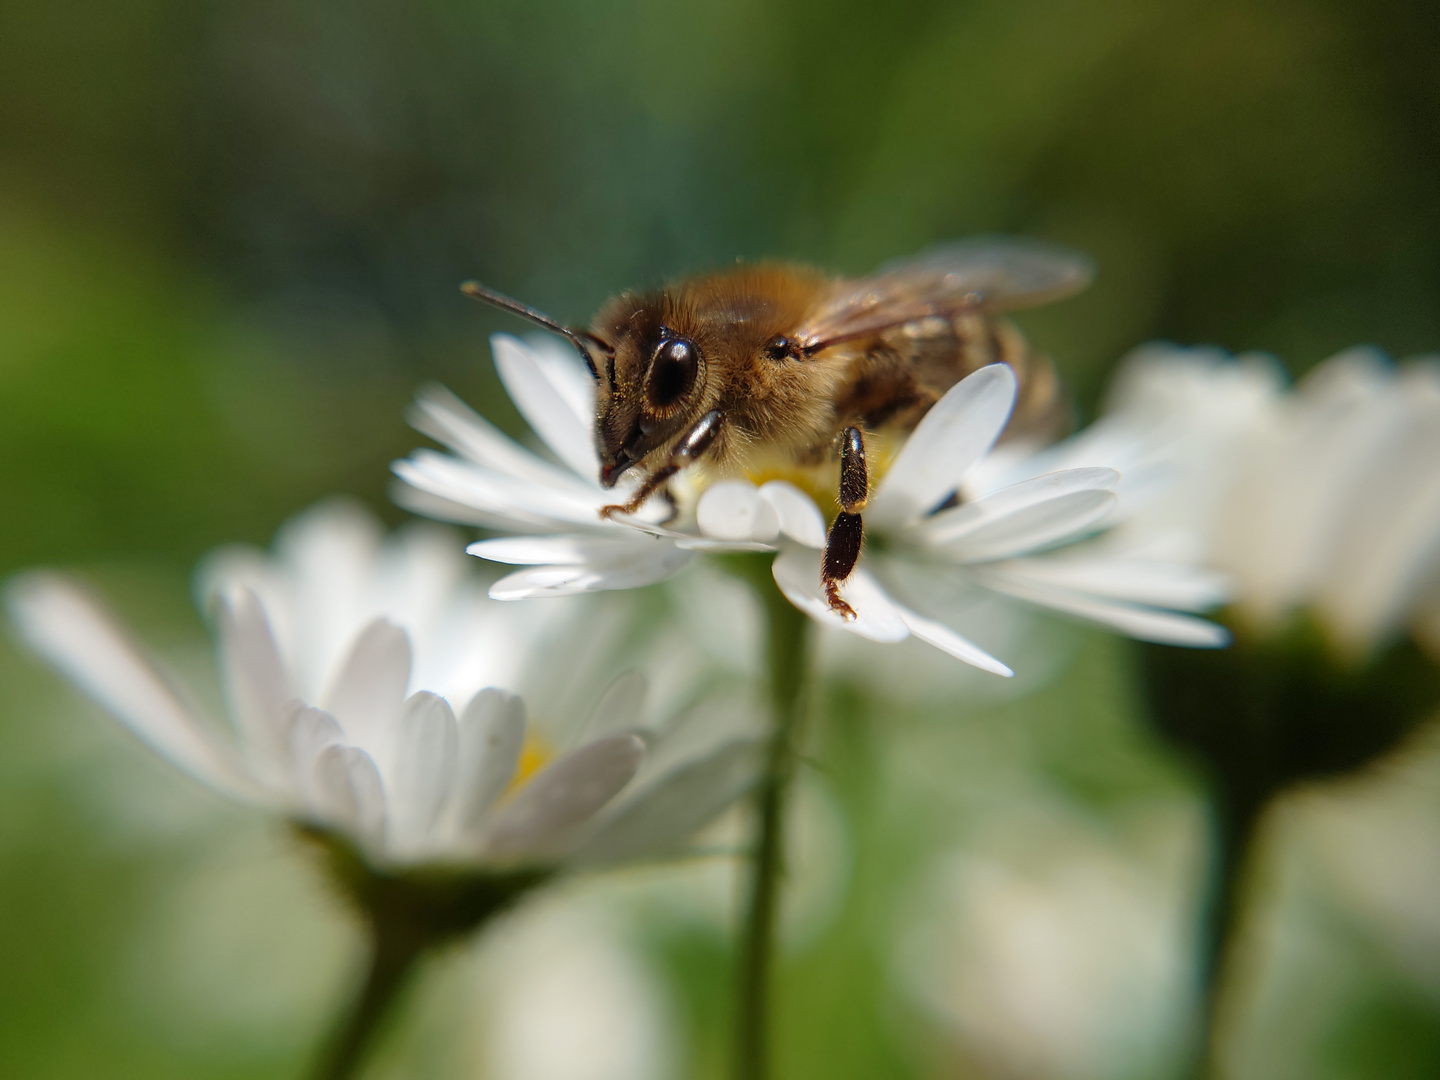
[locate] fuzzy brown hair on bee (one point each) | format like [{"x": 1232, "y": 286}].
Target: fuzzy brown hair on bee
[{"x": 768, "y": 366}]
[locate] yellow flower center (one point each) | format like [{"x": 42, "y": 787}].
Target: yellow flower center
[
  {"x": 822, "y": 482},
  {"x": 535, "y": 754}
]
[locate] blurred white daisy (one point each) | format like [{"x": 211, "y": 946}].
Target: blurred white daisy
[
  {"x": 920, "y": 563},
  {"x": 1053, "y": 952},
  {"x": 567, "y": 994},
  {"x": 1325, "y": 497},
  {"x": 370, "y": 691}
]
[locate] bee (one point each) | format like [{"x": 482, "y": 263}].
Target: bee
[{"x": 768, "y": 367}]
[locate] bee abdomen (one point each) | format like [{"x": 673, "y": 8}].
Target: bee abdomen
[
  {"x": 904, "y": 372},
  {"x": 1042, "y": 408}
]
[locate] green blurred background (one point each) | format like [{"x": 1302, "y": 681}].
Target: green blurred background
[{"x": 230, "y": 239}]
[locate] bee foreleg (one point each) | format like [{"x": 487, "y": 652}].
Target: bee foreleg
[
  {"x": 847, "y": 531},
  {"x": 687, "y": 451}
]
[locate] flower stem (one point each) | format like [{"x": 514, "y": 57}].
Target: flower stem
[
  {"x": 787, "y": 666},
  {"x": 392, "y": 957},
  {"x": 406, "y": 914},
  {"x": 1233, "y": 830}
]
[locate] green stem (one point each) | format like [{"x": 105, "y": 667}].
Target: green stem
[
  {"x": 1233, "y": 830},
  {"x": 392, "y": 958},
  {"x": 787, "y": 664},
  {"x": 407, "y": 914}
]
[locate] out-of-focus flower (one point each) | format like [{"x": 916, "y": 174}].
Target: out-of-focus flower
[
  {"x": 1373, "y": 845},
  {"x": 1060, "y": 959},
  {"x": 1324, "y": 498},
  {"x": 492, "y": 481},
  {"x": 920, "y": 563},
  {"x": 567, "y": 995},
  {"x": 370, "y": 691},
  {"x": 1322, "y": 504}
]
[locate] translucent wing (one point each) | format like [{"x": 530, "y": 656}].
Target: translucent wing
[{"x": 988, "y": 274}]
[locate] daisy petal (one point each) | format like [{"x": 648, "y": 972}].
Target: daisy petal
[
  {"x": 366, "y": 693},
  {"x": 545, "y": 816},
  {"x": 800, "y": 518},
  {"x": 797, "y": 572},
  {"x": 1181, "y": 586},
  {"x": 734, "y": 510},
  {"x": 651, "y": 564},
  {"x": 448, "y": 420},
  {"x": 1134, "y": 620},
  {"x": 346, "y": 793},
  {"x": 947, "y": 640},
  {"x": 426, "y": 746},
  {"x": 492, "y": 733},
  {"x": 256, "y": 682},
  {"x": 955, "y": 433},
  {"x": 619, "y": 706},
  {"x": 310, "y": 731},
  {"x": 405, "y": 494},
  {"x": 664, "y": 816},
  {"x": 685, "y": 539},
  {"x": 505, "y": 498},
  {"x": 551, "y": 550},
  {"x": 566, "y": 372},
  {"x": 544, "y": 408},
  {"x": 706, "y": 543},
  {"x": 74, "y": 631},
  {"x": 1024, "y": 517}
]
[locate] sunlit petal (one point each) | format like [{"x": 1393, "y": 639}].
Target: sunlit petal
[
  {"x": 797, "y": 572},
  {"x": 547, "y": 411},
  {"x": 663, "y": 816},
  {"x": 735, "y": 510},
  {"x": 955, "y": 433},
  {"x": 71, "y": 629},
  {"x": 547, "y": 813}
]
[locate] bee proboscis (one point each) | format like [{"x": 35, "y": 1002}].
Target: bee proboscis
[{"x": 772, "y": 366}]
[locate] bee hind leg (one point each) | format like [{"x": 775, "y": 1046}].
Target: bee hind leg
[
  {"x": 847, "y": 532},
  {"x": 687, "y": 451}
]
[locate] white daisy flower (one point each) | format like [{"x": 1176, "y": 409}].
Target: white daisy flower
[
  {"x": 370, "y": 691},
  {"x": 1325, "y": 497},
  {"x": 946, "y": 521},
  {"x": 494, "y": 482},
  {"x": 920, "y": 562}
]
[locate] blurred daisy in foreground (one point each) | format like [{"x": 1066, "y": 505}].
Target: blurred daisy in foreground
[
  {"x": 568, "y": 995},
  {"x": 921, "y": 562},
  {"x": 370, "y": 693},
  {"x": 1057, "y": 957}
]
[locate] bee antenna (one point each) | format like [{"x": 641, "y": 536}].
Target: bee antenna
[{"x": 578, "y": 338}]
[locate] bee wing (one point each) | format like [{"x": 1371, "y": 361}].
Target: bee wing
[{"x": 989, "y": 274}]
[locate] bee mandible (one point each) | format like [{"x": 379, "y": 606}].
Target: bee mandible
[{"x": 772, "y": 368}]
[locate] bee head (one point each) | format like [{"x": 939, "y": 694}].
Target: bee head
[{"x": 649, "y": 389}]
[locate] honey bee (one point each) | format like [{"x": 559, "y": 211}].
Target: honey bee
[{"x": 767, "y": 367}]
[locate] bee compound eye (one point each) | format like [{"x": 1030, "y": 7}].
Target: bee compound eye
[{"x": 672, "y": 372}]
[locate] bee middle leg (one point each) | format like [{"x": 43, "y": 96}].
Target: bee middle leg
[
  {"x": 687, "y": 451},
  {"x": 847, "y": 532}
]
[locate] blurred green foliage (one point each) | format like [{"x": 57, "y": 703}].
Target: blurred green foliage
[
  {"x": 232, "y": 233},
  {"x": 230, "y": 239}
]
